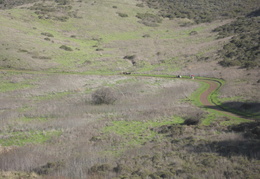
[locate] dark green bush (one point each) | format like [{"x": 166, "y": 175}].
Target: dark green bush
[
  {"x": 193, "y": 33},
  {"x": 130, "y": 57},
  {"x": 64, "y": 47},
  {"x": 47, "y": 34},
  {"x": 202, "y": 10},
  {"x": 192, "y": 121},
  {"x": 49, "y": 167},
  {"x": 140, "y": 5},
  {"x": 100, "y": 169},
  {"x": 243, "y": 49},
  {"x": 62, "y": 18},
  {"x": 103, "y": 96},
  {"x": 146, "y": 35},
  {"x": 149, "y": 19},
  {"x": 122, "y": 14},
  {"x": 62, "y": 2}
]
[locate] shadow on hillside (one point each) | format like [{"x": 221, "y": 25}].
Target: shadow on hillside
[
  {"x": 254, "y": 13},
  {"x": 240, "y": 108},
  {"x": 247, "y": 145}
]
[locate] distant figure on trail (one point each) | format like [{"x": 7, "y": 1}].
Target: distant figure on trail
[
  {"x": 192, "y": 77},
  {"x": 179, "y": 76},
  {"x": 127, "y": 73}
]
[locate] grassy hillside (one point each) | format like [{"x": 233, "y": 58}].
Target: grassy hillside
[
  {"x": 94, "y": 37},
  {"x": 67, "y": 110}
]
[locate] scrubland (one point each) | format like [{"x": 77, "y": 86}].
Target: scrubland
[{"x": 57, "y": 57}]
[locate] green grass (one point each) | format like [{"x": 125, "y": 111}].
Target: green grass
[
  {"x": 52, "y": 96},
  {"x": 31, "y": 119},
  {"x": 233, "y": 98},
  {"x": 214, "y": 97},
  {"x": 234, "y": 121},
  {"x": 6, "y": 86},
  {"x": 29, "y": 137},
  {"x": 195, "y": 97},
  {"x": 136, "y": 133},
  {"x": 25, "y": 108},
  {"x": 208, "y": 119}
]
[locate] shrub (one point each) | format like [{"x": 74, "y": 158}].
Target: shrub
[
  {"x": 122, "y": 14},
  {"x": 146, "y": 35},
  {"x": 103, "y": 96},
  {"x": 193, "y": 33},
  {"x": 62, "y": 2},
  {"x": 149, "y": 19},
  {"x": 47, "y": 34},
  {"x": 49, "y": 167},
  {"x": 62, "y": 18},
  {"x": 243, "y": 49},
  {"x": 192, "y": 121},
  {"x": 100, "y": 168},
  {"x": 203, "y": 10},
  {"x": 140, "y": 5},
  {"x": 130, "y": 57},
  {"x": 64, "y": 47}
]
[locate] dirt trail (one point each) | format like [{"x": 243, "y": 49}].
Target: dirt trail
[
  {"x": 204, "y": 96},
  {"x": 205, "y": 100}
]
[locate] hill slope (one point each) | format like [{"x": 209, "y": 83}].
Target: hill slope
[
  {"x": 87, "y": 36},
  {"x": 58, "y": 57}
]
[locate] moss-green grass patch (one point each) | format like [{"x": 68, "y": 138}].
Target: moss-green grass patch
[
  {"x": 30, "y": 119},
  {"x": 26, "y": 137},
  {"x": 135, "y": 133},
  {"x": 52, "y": 96},
  {"x": 195, "y": 97},
  {"x": 6, "y": 86}
]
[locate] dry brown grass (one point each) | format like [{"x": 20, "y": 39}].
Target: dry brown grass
[
  {"x": 177, "y": 151},
  {"x": 139, "y": 99},
  {"x": 63, "y": 101}
]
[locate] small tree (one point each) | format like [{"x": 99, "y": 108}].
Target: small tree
[{"x": 103, "y": 96}]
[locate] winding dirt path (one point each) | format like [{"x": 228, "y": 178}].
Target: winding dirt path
[
  {"x": 204, "y": 96},
  {"x": 206, "y": 101}
]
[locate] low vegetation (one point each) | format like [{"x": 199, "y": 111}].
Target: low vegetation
[
  {"x": 149, "y": 19},
  {"x": 243, "y": 48},
  {"x": 202, "y": 11},
  {"x": 26, "y": 137},
  {"x": 89, "y": 89},
  {"x": 121, "y": 14},
  {"x": 103, "y": 96},
  {"x": 65, "y": 47}
]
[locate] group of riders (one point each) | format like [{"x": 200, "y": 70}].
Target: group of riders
[{"x": 191, "y": 76}]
